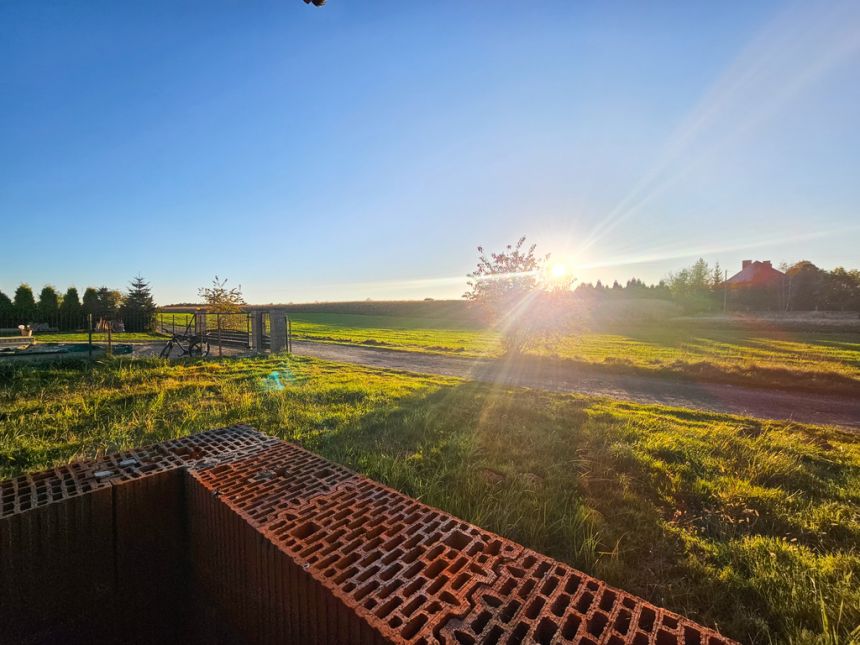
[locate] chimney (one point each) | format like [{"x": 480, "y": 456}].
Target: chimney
[{"x": 745, "y": 263}]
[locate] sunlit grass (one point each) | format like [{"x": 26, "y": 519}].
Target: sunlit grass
[
  {"x": 745, "y": 525},
  {"x": 806, "y": 360}
]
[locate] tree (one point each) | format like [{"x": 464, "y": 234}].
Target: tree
[
  {"x": 7, "y": 311},
  {"x": 48, "y": 308},
  {"x": 25, "y": 304},
  {"x": 138, "y": 307},
  {"x": 806, "y": 283},
  {"x": 692, "y": 286},
  {"x": 109, "y": 303},
  {"x": 513, "y": 289},
  {"x": 91, "y": 302},
  {"x": 70, "y": 310},
  {"x": 221, "y": 299}
]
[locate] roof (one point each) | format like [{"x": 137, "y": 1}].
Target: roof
[{"x": 755, "y": 274}]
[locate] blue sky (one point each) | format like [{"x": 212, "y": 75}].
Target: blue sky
[{"x": 364, "y": 149}]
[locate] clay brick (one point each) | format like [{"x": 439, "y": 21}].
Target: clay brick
[{"x": 238, "y": 537}]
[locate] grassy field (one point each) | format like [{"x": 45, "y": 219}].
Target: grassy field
[
  {"x": 808, "y": 360},
  {"x": 752, "y": 527}
]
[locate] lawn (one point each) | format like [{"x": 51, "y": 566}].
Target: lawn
[
  {"x": 807, "y": 360},
  {"x": 752, "y": 527}
]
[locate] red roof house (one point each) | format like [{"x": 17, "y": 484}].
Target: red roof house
[{"x": 756, "y": 274}]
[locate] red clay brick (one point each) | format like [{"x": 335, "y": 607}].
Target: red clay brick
[{"x": 275, "y": 545}]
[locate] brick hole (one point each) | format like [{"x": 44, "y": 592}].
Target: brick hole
[
  {"x": 692, "y": 636},
  {"x": 534, "y": 608},
  {"x": 607, "y": 601},
  {"x": 412, "y": 570},
  {"x": 435, "y": 568},
  {"x": 433, "y": 607},
  {"x": 516, "y": 572},
  {"x": 413, "y": 626},
  {"x": 413, "y": 605},
  {"x": 395, "y": 622},
  {"x": 584, "y": 602},
  {"x": 549, "y": 586},
  {"x": 305, "y": 530},
  {"x": 476, "y": 570},
  {"x": 389, "y": 573},
  {"x": 572, "y": 585},
  {"x": 463, "y": 638},
  {"x": 457, "y": 540},
  {"x": 526, "y": 589},
  {"x": 592, "y": 584},
  {"x": 459, "y": 581},
  {"x": 458, "y": 564},
  {"x": 414, "y": 586},
  {"x": 622, "y": 621},
  {"x": 437, "y": 584},
  {"x": 492, "y": 601},
  {"x": 546, "y": 629},
  {"x": 388, "y": 589},
  {"x": 367, "y": 573},
  {"x": 322, "y": 474},
  {"x": 480, "y": 622},
  {"x": 543, "y": 567},
  {"x": 615, "y": 640},
  {"x": 518, "y": 634},
  {"x": 646, "y": 619},
  {"x": 596, "y": 624},
  {"x": 493, "y": 548},
  {"x": 370, "y": 603},
  {"x": 493, "y": 637},
  {"x": 641, "y": 639},
  {"x": 412, "y": 556},
  {"x": 670, "y": 621},
  {"x": 560, "y": 604},
  {"x": 435, "y": 552},
  {"x": 366, "y": 589},
  {"x": 507, "y": 587},
  {"x": 391, "y": 556},
  {"x": 448, "y": 597},
  {"x": 666, "y": 638},
  {"x": 510, "y": 611},
  {"x": 388, "y": 607}
]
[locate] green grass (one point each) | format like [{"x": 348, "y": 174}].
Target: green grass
[
  {"x": 804, "y": 360},
  {"x": 749, "y": 526}
]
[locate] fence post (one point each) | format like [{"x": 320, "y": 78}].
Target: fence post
[
  {"x": 218, "y": 321},
  {"x": 278, "y": 332},
  {"x": 289, "y": 335},
  {"x": 257, "y": 331},
  {"x": 90, "y": 333},
  {"x": 110, "y": 338}
]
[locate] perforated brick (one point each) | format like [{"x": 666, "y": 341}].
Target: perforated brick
[{"x": 265, "y": 542}]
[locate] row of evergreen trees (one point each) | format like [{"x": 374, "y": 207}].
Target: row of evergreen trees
[{"x": 136, "y": 308}]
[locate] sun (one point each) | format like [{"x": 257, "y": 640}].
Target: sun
[{"x": 558, "y": 270}]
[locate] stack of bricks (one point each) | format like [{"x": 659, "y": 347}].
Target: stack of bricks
[{"x": 230, "y": 536}]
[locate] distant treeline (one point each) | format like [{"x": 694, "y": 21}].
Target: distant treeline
[
  {"x": 70, "y": 311},
  {"x": 702, "y": 288}
]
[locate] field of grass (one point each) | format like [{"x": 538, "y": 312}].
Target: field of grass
[
  {"x": 809, "y": 360},
  {"x": 752, "y": 527}
]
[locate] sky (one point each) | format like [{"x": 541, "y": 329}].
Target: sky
[{"x": 366, "y": 148}]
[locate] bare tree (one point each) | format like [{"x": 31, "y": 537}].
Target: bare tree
[
  {"x": 521, "y": 298},
  {"x": 222, "y": 299}
]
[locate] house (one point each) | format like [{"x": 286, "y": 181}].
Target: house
[{"x": 756, "y": 274}]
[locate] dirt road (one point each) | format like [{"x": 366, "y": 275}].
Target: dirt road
[{"x": 767, "y": 404}]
